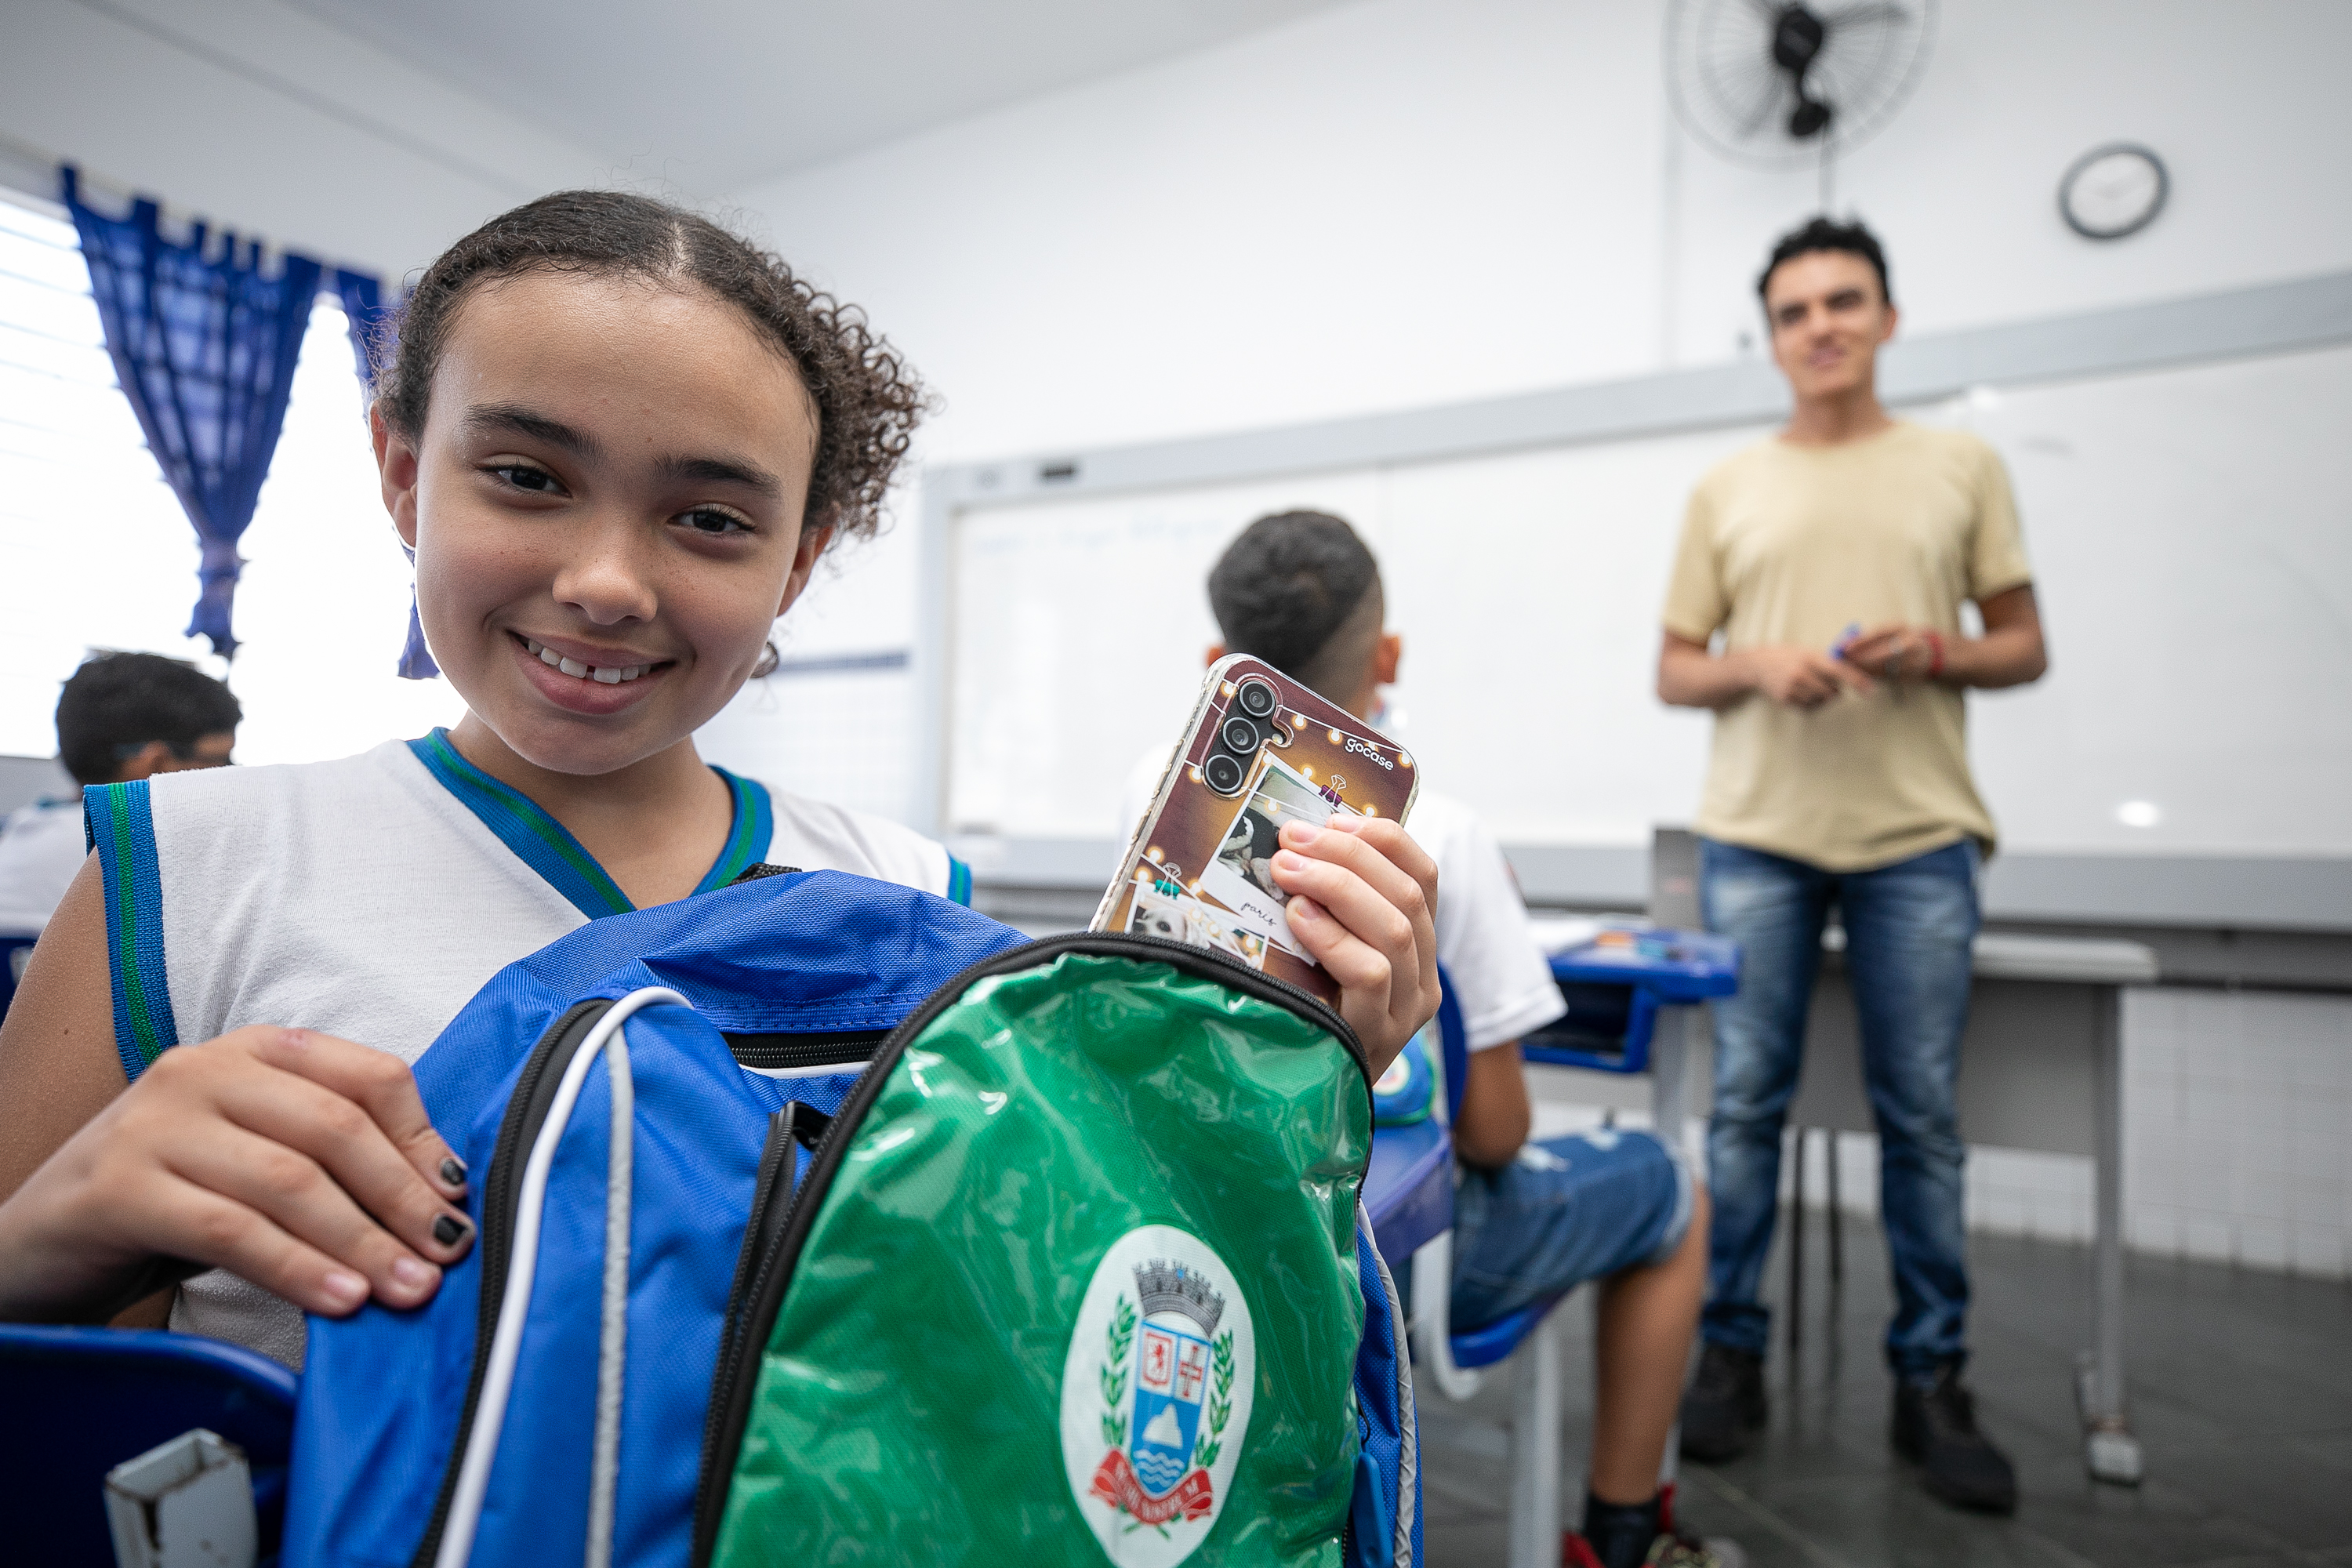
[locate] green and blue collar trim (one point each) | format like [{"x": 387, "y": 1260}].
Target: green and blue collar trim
[{"x": 547, "y": 846}]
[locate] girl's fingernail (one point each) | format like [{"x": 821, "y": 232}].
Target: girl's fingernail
[
  {"x": 1283, "y": 860},
  {"x": 347, "y": 1289},
  {"x": 1302, "y": 908},
  {"x": 453, "y": 1170},
  {"x": 411, "y": 1273},
  {"x": 1299, "y": 833},
  {"x": 449, "y": 1230}
]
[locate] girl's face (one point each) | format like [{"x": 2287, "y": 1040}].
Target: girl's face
[{"x": 611, "y": 478}]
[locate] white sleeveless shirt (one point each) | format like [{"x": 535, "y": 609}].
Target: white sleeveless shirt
[{"x": 369, "y": 899}]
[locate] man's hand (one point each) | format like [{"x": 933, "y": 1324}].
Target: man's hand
[
  {"x": 1801, "y": 677},
  {"x": 299, "y": 1161},
  {"x": 1362, "y": 898}
]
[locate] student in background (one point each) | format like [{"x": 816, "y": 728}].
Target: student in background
[
  {"x": 1835, "y": 559},
  {"x": 1531, "y": 1219},
  {"x": 122, "y": 716}
]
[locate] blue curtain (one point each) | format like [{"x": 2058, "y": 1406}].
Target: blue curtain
[
  {"x": 372, "y": 338},
  {"x": 204, "y": 348}
]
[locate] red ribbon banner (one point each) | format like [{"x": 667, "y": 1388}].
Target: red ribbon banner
[{"x": 1115, "y": 1482}]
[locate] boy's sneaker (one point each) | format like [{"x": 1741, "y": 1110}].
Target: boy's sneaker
[
  {"x": 1670, "y": 1549},
  {"x": 1724, "y": 1405},
  {"x": 1936, "y": 1429}
]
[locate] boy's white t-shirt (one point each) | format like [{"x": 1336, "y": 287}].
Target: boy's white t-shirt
[
  {"x": 41, "y": 849},
  {"x": 1501, "y": 976},
  {"x": 371, "y": 898}
]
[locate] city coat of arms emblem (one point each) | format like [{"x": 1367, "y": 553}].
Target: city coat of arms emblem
[{"x": 1155, "y": 1395}]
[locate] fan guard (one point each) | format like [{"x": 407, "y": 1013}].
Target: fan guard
[{"x": 1781, "y": 83}]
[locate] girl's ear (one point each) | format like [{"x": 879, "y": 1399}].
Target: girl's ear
[
  {"x": 812, "y": 544},
  {"x": 395, "y": 466}
]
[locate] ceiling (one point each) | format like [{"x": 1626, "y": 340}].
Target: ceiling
[{"x": 719, "y": 94}]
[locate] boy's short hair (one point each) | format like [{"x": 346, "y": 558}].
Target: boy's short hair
[
  {"x": 1827, "y": 234},
  {"x": 117, "y": 702},
  {"x": 1298, "y": 590}
]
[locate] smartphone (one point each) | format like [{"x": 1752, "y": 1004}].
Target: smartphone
[{"x": 1259, "y": 751}]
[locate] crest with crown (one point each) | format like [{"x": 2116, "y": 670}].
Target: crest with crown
[{"x": 1164, "y": 1287}]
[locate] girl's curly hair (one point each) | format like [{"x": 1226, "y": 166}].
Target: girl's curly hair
[{"x": 867, "y": 399}]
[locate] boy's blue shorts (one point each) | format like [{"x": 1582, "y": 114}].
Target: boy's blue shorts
[{"x": 1567, "y": 1210}]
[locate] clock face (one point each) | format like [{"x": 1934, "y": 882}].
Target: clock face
[{"x": 2113, "y": 191}]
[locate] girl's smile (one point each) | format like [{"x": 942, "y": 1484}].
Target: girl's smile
[{"x": 586, "y": 679}]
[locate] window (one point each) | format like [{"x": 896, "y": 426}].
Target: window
[{"x": 95, "y": 550}]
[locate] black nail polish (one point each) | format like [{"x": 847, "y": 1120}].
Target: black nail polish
[
  {"x": 453, "y": 1170},
  {"x": 449, "y": 1230}
]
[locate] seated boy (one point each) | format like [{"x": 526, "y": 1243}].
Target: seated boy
[
  {"x": 120, "y": 716},
  {"x": 1531, "y": 1219}
]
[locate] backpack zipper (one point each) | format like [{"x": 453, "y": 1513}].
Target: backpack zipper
[
  {"x": 852, "y": 1048},
  {"x": 737, "y": 1374},
  {"x": 527, "y": 1112}
]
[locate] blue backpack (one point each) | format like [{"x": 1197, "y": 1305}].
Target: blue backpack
[{"x": 920, "y": 1245}]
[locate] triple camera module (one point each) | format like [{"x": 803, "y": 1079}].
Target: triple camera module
[{"x": 1249, "y": 723}]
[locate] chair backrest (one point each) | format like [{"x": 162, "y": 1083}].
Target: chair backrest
[
  {"x": 79, "y": 1402},
  {"x": 1454, "y": 1045}
]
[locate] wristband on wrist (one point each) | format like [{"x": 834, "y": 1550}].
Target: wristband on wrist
[{"x": 1934, "y": 654}]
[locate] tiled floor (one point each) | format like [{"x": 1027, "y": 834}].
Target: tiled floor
[{"x": 2241, "y": 1391}]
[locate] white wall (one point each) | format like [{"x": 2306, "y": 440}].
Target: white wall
[
  {"x": 262, "y": 118},
  {"x": 1406, "y": 202}
]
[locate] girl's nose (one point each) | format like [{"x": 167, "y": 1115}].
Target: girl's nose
[{"x": 608, "y": 585}]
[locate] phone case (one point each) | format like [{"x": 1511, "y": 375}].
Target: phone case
[{"x": 1259, "y": 751}]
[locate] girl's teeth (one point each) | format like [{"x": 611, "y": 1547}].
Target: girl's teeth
[{"x": 603, "y": 675}]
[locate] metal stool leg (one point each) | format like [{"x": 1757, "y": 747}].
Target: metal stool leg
[
  {"x": 1837, "y": 1242},
  {"x": 1535, "y": 1453},
  {"x": 1797, "y": 1239}
]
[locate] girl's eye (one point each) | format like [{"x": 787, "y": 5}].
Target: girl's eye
[
  {"x": 526, "y": 477},
  {"x": 712, "y": 521}
]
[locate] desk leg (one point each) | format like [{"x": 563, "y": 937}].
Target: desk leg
[{"x": 2109, "y": 1449}]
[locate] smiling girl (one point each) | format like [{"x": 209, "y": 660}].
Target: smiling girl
[{"x": 617, "y": 438}]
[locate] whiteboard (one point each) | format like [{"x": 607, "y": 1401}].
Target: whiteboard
[{"x": 2191, "y": 530}]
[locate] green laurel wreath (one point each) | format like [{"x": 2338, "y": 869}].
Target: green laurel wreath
[
  {"x": 1112, "y": 1377},
  {"x": 1220, "y": 1403}
]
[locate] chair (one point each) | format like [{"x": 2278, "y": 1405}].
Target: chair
[{"x": 79, "y": 1402}]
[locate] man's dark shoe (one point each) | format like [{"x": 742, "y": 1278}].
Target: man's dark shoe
[
  {"x": 1724, "y": 1405},
  {"x": 1936, "y": 1429}
]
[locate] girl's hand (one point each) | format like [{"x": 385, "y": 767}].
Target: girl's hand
[
  {"x": 1362, "y": 894},
  {"x": 301, "y": 1163}
]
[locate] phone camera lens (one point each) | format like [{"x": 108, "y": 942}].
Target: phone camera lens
[
  {"x": 1222, "y": 773},
  {"x": 1239, "y": 735},
  {"x": 1257, "y": 699}
]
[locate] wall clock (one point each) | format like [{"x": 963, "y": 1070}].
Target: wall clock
[{"x": 2113, "y": 191}]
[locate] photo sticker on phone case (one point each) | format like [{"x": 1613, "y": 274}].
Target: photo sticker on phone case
[
  {"x": 1180, "y": 917},
  {"x": 1241, "y": 876}
]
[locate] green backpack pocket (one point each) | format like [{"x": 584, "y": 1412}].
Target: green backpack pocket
[{"x": 1071, "y": 1275}]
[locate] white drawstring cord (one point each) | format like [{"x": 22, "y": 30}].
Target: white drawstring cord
[{"x": 523, "y": 1265}]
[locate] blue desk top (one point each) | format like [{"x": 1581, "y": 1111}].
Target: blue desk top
[
  {"x": 1674, "y": 965},
  {"x": 1409, "y": 1187}
]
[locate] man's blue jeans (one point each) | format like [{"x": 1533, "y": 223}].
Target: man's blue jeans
[{"x": 1908, "y": 927}]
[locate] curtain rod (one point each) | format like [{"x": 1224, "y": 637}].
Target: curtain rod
[{"x": 30, "y": 173}]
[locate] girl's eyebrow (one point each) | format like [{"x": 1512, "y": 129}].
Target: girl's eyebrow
[
  {"x": 508, "y": 418},
  {"x": 721, "y": 471}
]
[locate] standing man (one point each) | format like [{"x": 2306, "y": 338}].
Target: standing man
[{"x": 1833, "y": 559}]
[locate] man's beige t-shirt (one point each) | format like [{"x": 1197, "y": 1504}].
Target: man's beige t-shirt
[{"x": 1789, "y": 545}]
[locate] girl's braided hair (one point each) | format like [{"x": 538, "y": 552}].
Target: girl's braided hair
[{"x": 867, "y": 399}]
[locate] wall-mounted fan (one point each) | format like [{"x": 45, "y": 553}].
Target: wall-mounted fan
[{"x": 1781, "y": 82}]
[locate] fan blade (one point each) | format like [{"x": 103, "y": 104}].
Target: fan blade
[
  {"x": 1754, "y": 122},
  {"x": 1769, "y": 10},
  {"x": 1854, "y": 15}
]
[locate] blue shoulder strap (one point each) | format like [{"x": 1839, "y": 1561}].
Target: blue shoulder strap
[{"x": 117, "y": 822}]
